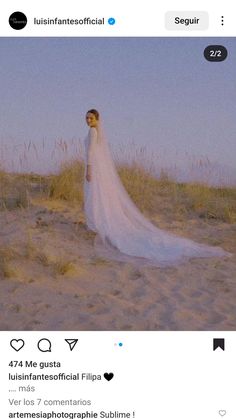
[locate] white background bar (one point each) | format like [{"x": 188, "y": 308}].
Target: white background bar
[{"x": 145, "y": 18}]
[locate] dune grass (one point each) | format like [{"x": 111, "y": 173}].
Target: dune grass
[
  {"x": 13, "y": 191},
  {"x": 13, "y": 258},
  {"x": 165, "y": 194},
  {"x": 151, "y": 195},
  {"x": 68, "y": 184}
]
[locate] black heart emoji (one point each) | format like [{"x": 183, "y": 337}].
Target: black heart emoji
[{"x": 108, "y": 376}]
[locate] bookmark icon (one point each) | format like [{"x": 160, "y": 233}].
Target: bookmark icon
[
  {"x": 71, "y": 343},
  {"x": 218, "y": 343}
]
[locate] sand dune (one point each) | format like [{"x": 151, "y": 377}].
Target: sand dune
[{"x": 52, "y": 279}]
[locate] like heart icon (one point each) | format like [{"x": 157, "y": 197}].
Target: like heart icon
[
  {"x": 17, "y": 344},
  {"x": 108, "y": 376},
  {"x": 222, "y": 412}
]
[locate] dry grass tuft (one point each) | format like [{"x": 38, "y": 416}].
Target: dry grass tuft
[
  {"x": 48, "y": 259},
  {"x": 14, "y": 191},
  {"x": 56, "y": 265},
  {"x": 7, "y": 254},
  {"x": 63, "y": 267},
  {"x": 43, "y": 258},
  {"x": 68, "y": 184}
]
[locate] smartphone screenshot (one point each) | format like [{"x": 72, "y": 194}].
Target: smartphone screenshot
[{"x": 117, "y": 210}]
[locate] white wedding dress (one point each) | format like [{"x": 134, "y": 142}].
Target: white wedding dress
[{"x": 124, "y": 234}]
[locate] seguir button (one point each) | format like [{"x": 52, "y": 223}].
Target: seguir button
[{"x": 190, "y": 21}]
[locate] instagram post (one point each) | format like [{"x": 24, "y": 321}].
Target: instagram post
[
  {"x": 117, "y": 210},
  {"x": 118, "y": 179}
]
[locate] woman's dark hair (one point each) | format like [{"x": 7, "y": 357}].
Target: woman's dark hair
[{"x": 95, "y": 112}]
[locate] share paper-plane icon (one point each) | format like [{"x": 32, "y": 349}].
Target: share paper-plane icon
[{"x": 71, "y": 343}]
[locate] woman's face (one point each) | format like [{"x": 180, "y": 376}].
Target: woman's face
[{"x": 91, "y": 120}]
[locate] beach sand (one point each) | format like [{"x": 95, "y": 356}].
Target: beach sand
[{"x": 52, "y": 279}]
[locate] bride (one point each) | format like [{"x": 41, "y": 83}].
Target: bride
[{"x": 121, "y": 228}]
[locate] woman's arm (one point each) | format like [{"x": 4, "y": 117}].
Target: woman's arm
[
  {"x": 91, "y": 144},
  {"x": 88, "y": 173}
]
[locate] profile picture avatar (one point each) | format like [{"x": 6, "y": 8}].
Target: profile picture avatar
[{"x": 17, "y": 20}]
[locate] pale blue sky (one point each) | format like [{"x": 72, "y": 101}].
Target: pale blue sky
[{"x": 157, "y": 92}]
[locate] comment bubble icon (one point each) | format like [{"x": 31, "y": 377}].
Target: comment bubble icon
[{"x": 44, "y": 345}]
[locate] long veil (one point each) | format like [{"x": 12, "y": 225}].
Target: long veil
[{"x": 124, "y": 234}]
